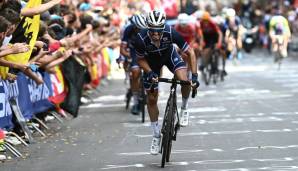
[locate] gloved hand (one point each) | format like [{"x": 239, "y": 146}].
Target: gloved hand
[
  {"x": 152, "y": 77},
  {"x": 194, "y": 80}
]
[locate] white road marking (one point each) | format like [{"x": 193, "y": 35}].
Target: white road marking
[
  {"x": 173, "y": 152},
  {"x": 275, "y": 160},
  {"x": 218, "y": 161},
  {"x": 268, "y": 147},
  {"x": 207, "y": 109},
  {"x": 183, "y": 134},
  {"x": 218, "y": 150},
  {"x": 123, "y": 166},
  {"x": 110, "y": 98}
]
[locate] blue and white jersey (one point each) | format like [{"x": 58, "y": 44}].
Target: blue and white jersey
[
  {"x": 129, "y": 36},
  {"x": 146, "y": 48}
]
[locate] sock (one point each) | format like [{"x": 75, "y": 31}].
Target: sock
[
  {"x": 184, "y": 103},
  {"x": 155, "y": 129},
  {"x": 135, "y": 96}
]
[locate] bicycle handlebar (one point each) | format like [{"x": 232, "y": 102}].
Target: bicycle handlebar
[
  {"x": 181, "y": 82},
  {"x": 167, "y": 80}
]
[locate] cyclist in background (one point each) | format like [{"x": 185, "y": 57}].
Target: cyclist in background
[
  {"x": 279, "y": 26},
  {"x": 127, "y": 49},
  {"x": 154, "y": 48},
  {"x": 212, "y": 37},
  {"x": 190, "y": 30},
  {"x": 233, "y": 34}
]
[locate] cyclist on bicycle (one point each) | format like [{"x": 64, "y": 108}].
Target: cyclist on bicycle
[
  {"x": 127, "y": 49},
  {"x": 279, "y": 27},
  {"x": 189, "y": 30},
  {"x": 233, "y": 33},
  {"x": 212, "y": 37},
  {"x": 155, "y": 48}
]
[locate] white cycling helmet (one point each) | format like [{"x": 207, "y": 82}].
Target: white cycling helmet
[
  {"x": 231, "y": 12},
  {"x": 183, "y": 18},
  {"x": 139, "y": 21},
  {"x": 198, "y": 14},
  {"x": 156, "y": 19}
]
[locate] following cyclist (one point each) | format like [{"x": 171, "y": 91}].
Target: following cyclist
[
  {"x": 154, "y": 49},
  {"x": 233, "y": 33},
  {"x": 190, "y": 30},
  {"x": 127, "y": 49},
  {"x": 212, "y": 38},
  {"x": 279, "y": 28}
]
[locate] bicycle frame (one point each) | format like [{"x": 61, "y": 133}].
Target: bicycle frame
[{"x": 170, "y": 125}]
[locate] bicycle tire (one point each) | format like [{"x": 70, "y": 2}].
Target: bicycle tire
[
  {"x": 167, "y": 129},
  {"x": 173, "y": 111},
  {"x": 142, "y": 104},
  {"x": 128, "y": 98}
]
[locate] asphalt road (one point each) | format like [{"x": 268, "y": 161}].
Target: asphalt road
[{"x": 248, "y": 122}]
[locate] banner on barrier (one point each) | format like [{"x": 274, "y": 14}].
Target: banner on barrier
[
  {"x": 5, "y": 110},
  {"x": 33, "y": 98}
]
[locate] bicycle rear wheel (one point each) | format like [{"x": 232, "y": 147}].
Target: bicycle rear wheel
[
  {"x": 167, "y": 132},
  {"x": 128, "y": 98},
  {"x": 142, "y": 102}
]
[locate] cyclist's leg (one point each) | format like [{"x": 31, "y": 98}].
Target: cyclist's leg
[
  {"x": 274, "y": 43},
  {"x": 135, "y": 85},
  {"x": 284, "y": 51},
  {"x": 178, "y": 67},
  {"x": 205, "y": 57},
  {"x": 152, "y": 98}
]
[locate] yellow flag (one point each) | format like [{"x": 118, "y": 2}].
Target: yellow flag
[{"x": 26, "y": 32}]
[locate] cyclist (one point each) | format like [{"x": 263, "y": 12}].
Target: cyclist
[
  {"x": 154, "y": 48},
  {"x": 212, "y": 37},
  {"x": 127, "y": 49},
  {"x": 189, "y": 30},
  {"x": 279, "y": 26},
  {"x": 233, "y": 33}
]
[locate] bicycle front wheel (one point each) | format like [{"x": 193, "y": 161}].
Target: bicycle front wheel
[{"x": 167, "y": 132}]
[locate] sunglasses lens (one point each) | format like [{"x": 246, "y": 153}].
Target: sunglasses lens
[{"x": 155, "y": 30}]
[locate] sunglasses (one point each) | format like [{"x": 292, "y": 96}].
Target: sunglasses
[{"x": 156, "y": 30}]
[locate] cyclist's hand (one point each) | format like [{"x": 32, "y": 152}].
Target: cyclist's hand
[
  {"x": 129, "y": 59},
  {"x": 218, "y": 45},
  {"x": 194, "y": 81},
  {"x": 152, "y": 77}
]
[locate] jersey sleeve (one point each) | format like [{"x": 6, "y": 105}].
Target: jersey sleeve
[
  {"x": 125, "y": 35},
  {"x": 139, "y": 46},
  {"x": 177, "y": 39}
]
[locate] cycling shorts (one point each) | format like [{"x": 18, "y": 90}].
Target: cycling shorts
[{"x": 174, "y": 63}]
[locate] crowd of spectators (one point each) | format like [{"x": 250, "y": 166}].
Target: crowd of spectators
[{"x": 61, "y": 48}]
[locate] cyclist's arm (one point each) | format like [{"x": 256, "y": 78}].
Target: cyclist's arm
[
  {"x": 140, "y": 53},
  {"x": 287, "y": 28},
  {"x": 220, "y": 36},
  {"x": 271, "y": 27},
  {"x": 193, "y": 60},
  {"x": 186, "y": 49},
  {"x": 123, "y": 49},
  {"x": 124, "y": 42}
]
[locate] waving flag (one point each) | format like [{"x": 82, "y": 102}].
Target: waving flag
[{"x": 26, "y": 32}]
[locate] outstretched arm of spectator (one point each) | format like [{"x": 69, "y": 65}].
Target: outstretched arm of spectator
[
  {"x": 49, "y": 58},
  {"x": 14, "y": 65},
  {"x": 14, "y": 49},
  {"x": 28, "y": 12},
  {"x": 58, "y": 61},
  {"x": 71, "y": 40},
  {"x": 41, "y": 54}
]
